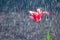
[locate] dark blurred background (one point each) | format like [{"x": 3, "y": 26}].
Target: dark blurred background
[{"x": 15, "y": 23}]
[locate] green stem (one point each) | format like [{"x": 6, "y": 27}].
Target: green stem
[
  {"x": 48, "y": 34},
  {"x": 41, "y": 28}
]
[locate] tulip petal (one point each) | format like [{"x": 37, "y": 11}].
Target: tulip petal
[
  {"x": 31, "y": 17},
  {"x": 46, "y": 12},
  {"x": 39, "y": 11},
  {"x": 32, "y": 12}
]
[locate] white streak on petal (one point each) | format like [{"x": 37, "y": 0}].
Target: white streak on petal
[
  {"x": 38, "y": 10},
  {"x": 30, "y": 11}
]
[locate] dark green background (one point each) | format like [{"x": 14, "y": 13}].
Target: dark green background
[{"x": 15, "y": 23}]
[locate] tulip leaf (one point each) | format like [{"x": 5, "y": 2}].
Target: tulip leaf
[{"x": 48, "y": 35}]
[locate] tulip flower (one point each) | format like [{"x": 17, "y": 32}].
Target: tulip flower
[{"x": 37, "y": 16}]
